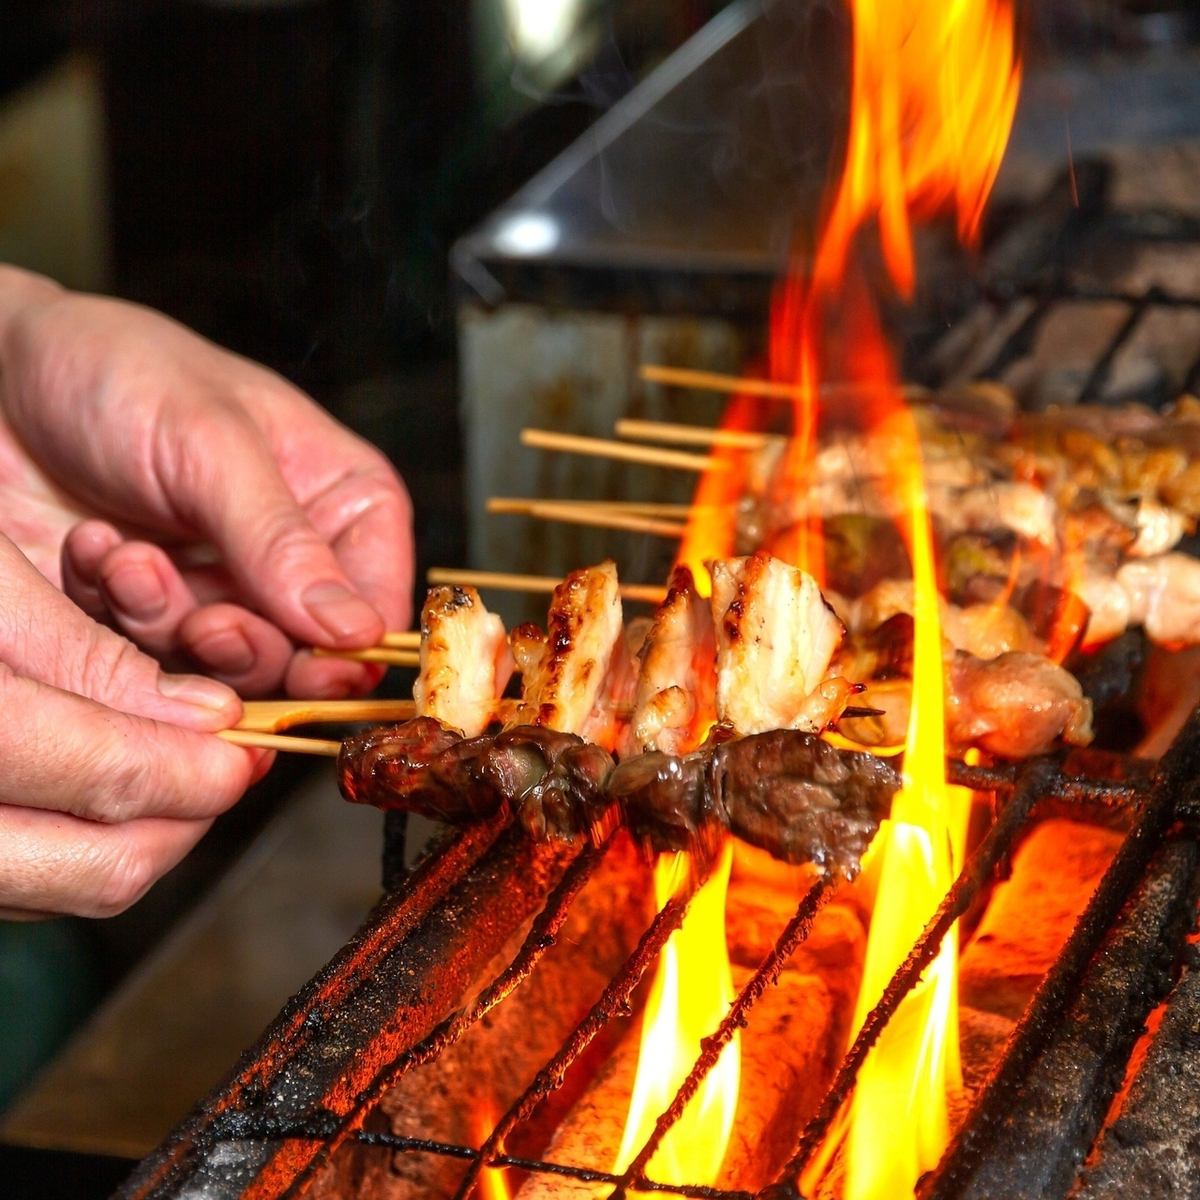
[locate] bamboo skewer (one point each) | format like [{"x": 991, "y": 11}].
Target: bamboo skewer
[
  {"x": 271, "y": 716},
  {"x": 598, "y": 517},
  {"x": 570, "y": 443},
  {"x": 692, "y": 435},
  {"x": 373, "y": 654},
  {"x": 714, "y": 381},
  {"x": 506, "y": 581},
  {"x": 407, "y": 639},
  {"x": 275, "y": 741},
  {"x": 641, "y": 508}
]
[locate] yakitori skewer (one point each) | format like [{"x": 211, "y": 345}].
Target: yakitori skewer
[
  {"x": 570, "y": 443},
  {"x": 597, "y": 517},
  {"x": 262, "y": 719},
  {"x": 715, "y": 381},
  {"x": 271, "y": 716},
  {"x": 373, "y": 654},
  {"x": 506, "y": 581},
  {"x": 406, "y": 639},
  {"x": 641, "y": 508},
  {"x": 320, "y": 747},
  {"x": 691, "y": 435}
]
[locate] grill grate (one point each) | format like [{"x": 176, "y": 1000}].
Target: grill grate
[{"x": 290, "y": 1150}]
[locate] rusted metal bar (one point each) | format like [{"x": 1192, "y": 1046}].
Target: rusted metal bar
[
  {"x": 411, "y": 1145},
  {"x": 540, "y": 939},
  {"x": 613, "y": 1000},
  {"x": 398, "y": 978},
  {"x": 1149, "y": 1151},
  {"x": 1032, "y": 782},
  {"x": 794, "y": 932},
  {"x": 1031, "y": 1149},
  {"x": 1174, "y": 787}
]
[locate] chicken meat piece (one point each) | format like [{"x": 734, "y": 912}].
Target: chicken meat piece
[
  {"x": 674, "y": 704},
  {"x": 1164, "y": 597},
  {"x": 1015, "y": 706},
  {"x": 982, "y": 630},
  {"x": 1021, "y": 507},
  {"x": 775, "y": 638},
  {"x": 563, "y": 671},
  {"x": 465, "y": 660},
  {"x": 1109, "y": 607},
  {"x": 1160, "y": 529}
]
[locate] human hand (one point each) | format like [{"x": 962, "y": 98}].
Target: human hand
[
  {"x": 240, "y": 523},
  {"x": 111, "y": 770}
]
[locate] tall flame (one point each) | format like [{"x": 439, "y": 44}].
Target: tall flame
[
  {"x": 690, "y": 994},
  {"x": 933, "y": 95}
]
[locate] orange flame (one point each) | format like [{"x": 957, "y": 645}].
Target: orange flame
[
  {"x": 711, "y": 529},
  {"x": 915, "y": 1063},
  {"x": 932, "y": 102},
  {"x": 690, "y": 994},
  {"x": 933, "y": 95},
  {"x": 493, "y": 1181}
]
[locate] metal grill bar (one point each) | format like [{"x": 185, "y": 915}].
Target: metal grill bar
[
  {"x": 1099, "y": 373},
  {"x": 613, "y": 999},
  {"x": 381, "y": 994},
  {"x": 1034, "y": 1150},
  {"x": 795, "y": 932},
  {"x": 1177, "y": 771},
  {"x": 1032, "y": 783},
  {"x": 541, "y": 937}
]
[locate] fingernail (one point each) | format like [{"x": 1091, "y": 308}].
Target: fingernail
[
  {"x": 339, "y": 611},
  {"x": 227, "y": 651},
  {"x": 198, "y": 691},
  {"x": 137, "y": 591}
]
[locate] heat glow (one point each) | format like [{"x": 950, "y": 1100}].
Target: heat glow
[{"x": 690, "y": 994}]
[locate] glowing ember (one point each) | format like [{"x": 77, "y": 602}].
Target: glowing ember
[{"x": 691, "y": 992}]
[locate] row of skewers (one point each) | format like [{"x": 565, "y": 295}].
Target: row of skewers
[{"x": 717, "y": 713}]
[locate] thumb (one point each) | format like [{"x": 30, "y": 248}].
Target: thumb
[{"x": 238, "y": 498}]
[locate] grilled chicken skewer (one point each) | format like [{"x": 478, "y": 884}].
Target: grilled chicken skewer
[{"x": 786, "y": 791}]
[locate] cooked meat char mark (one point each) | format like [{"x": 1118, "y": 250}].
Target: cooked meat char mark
[
  {"x": 785, "y": 791},
  {"x": 555, "y": 781}
]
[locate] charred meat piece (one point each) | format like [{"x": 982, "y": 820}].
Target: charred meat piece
[
  {"x": 554, "y": 781},
  {"x": 562, "y": 672},
  {"x": 674, "y": 703},
  {"x": 786, "y": 791},
  {"x": 664, "y": 798},
  {"x": 465, "y": 661},
  {"x": 421, "y": 766},
  {"x": 775, "y": 638},
  {"x": 801, "y": 799}
]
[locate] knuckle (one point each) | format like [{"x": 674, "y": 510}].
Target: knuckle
[
  {"x": 122, "y": 879},
  {"x": 111, "y": 668}
]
